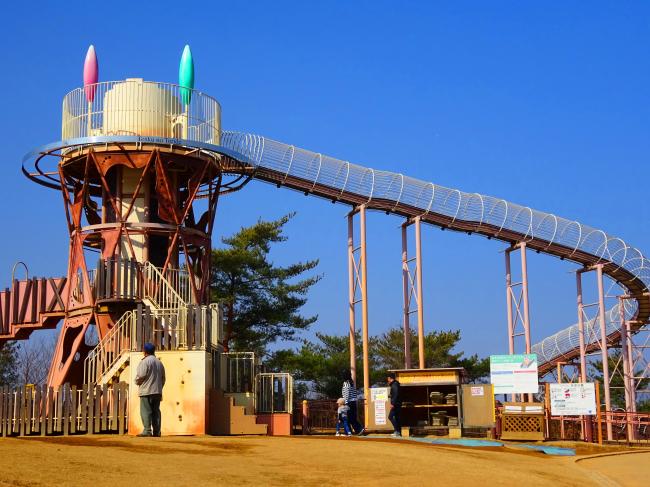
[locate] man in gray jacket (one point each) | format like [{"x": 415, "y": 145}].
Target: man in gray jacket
[{"x": 150, "y": 377}]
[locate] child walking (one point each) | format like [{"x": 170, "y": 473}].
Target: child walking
[{"x": 342, "y": 418}]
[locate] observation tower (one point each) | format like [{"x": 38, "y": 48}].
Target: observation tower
[{"x": 140, "y": 195}]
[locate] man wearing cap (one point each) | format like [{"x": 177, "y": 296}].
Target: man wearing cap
[{"x": 150, "y": 377}]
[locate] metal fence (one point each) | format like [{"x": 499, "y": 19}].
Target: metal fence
[
  {"x": 241, "y": 368},
  {"x": 138, "y": 107},
  {"x": 41, "y": 410},
  {"x": 274, "y": 393},
  {"x": 627, "y": 428},
  {"x": 118, "y": 278},
  {"x": 319, "y": 416}
]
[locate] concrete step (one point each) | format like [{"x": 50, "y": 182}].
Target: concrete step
[{"x": 226, "y": 418}]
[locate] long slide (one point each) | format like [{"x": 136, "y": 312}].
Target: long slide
[{"x": 473, "y": 213}]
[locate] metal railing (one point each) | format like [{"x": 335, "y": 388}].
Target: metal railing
[
  {"x": 317, "y": 416},
  {"x": 274, "y": 393},
  {"x": 558, "y": 344},
  {"x": 449, "y": 207},
  {"x": 123, "y": 279},
  {"x": 138, "y": 107},
  {"x": 189, "y": 327},
  {"x": 41, "y": 410},
  {"x": 117, "y": 278},
  {"x": 240, "y": 368},
  {"x": 184, "y": 328},
  {"x": 180, "y": 281},
  {"x": 108, "y": 351},
  {"x": 160, "y": 291}
]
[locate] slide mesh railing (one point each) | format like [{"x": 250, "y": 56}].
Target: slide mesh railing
[{"x": 383, "y": 186}]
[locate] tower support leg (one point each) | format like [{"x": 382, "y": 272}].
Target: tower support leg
[
  {"x": 352, "y": 282},
  {"x": 587, "y": 432},
  {"x": 413, "y": 294},
  {"x": 627, "y": 376},
  {"x": 603, "y": 350},
  {"x": 518, "y": 309},
  {"x": 358, "y": 294},
  {"x": 406, "y": 289}
]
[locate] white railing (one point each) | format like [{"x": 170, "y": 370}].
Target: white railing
[
  {"x": 240, "y": 369},
  {"x": 180, "y": 281},
  {"x": 169, "y": 328},
  {"x": 109, "y": 350},
  {"x": 274, "y": 393},
  {"x": 138, "y": 107},
  {"x": 159, "y": 291},
  {"x": 117, "y": 278}
]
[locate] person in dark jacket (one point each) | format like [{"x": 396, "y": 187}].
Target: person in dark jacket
[
  {"x": 349, "y": 394},
  {"x": 395, "y": 404}
]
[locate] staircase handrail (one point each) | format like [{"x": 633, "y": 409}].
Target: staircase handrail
[
  {"x": 155, "y": 284},
  {"x": 109, "y": 350}
]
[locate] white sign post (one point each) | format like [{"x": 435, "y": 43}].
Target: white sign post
[
  {"x": 573, "y": 399},
  {"x": 379, "y": 396},
  {"x": 514, "y": 374}
]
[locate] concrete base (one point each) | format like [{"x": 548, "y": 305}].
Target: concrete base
[
  {"x": 455, "y": 432},
  {"x": 185, "y": 406},
  {"x": 229, "y": 418},
  {"x": 278, "y": 424}
]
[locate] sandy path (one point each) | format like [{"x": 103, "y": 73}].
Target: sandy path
[
  {"x": 629, "y": 469},
  {"x": 194, "y": 461}
]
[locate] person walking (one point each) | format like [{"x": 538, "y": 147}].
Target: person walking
[
  {"x": 150, "y": 378},
  {"x": 342, "y": 417},
  {"x": 395, "y": 404},
  {"x": 349, "y": 394}
]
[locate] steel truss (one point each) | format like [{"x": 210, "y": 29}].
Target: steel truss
[
  {"x": 517, "y": 302},
  {"x": 412, "y": 289},
  {"x": 358, "y": 295}
]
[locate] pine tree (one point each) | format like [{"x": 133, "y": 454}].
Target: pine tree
[
  {"x": 8, "y": 364},
  {"x": 321, "y": 362},
  {"x": 262, "y": 300}
]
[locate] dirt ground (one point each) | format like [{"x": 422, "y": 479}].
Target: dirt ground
[{"x": 194, "y": 461}]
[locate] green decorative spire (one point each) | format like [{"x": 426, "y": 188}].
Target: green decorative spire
[{"x": 186, "y": 75}]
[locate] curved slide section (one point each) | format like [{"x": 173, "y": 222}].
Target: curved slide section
[{"x": 341, "y": 181}]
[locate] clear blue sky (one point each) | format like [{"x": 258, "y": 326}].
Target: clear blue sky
[{"x": 545, "y": 104}]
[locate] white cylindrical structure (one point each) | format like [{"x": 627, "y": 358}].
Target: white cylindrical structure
[{"x": 138, "y": 108}]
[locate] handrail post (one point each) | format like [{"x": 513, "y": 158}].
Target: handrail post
[{"x": 305, "y": 417}]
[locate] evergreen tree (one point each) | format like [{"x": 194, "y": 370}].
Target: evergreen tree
[
  {"x": 262, "y": 300},
  {"x": 438, "y": 352},
  {"x": 8, "y": 364},
  {"x": 321, "y": 362}
]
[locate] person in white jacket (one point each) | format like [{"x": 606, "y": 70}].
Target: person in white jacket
[{"x": 150, "y": 377}]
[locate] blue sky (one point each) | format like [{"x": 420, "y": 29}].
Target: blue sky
[{"x": 545, "y": 104}]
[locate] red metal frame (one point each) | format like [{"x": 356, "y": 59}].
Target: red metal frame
[
  {"x": 358, "y": 294},
  {"x": 412, "y": 289},
  {"x": 81, "y": 308},
  {"x": 602, "y": 341},
  {"x": 517, "y": 303}
]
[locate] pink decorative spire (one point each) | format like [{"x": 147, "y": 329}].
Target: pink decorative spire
[{"x": 91, "y": 74}]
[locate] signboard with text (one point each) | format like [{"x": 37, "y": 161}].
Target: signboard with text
[
  {"x": 379, "y": 397},
  {"x": 514, "y": 374},
  {"x": 573, "y": 399}
]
